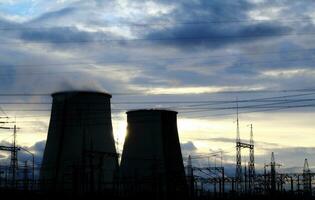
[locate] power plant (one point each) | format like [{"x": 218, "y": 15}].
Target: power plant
[
  {"x": 152, "y": 162},
  {"x": 80, "y": 159},
  {"x": 80, "y": 151}
]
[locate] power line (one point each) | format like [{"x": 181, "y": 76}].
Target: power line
[
  {"x": 190, "y": 103},
  {"x": 145, "y": 93},
  {"x": 41, "y": 65},
  {"x": 207, "y": 108},
  {"x": 308, "y": 90},
  {"x": 243, "y": 112},
  {"x": 33, "y": 42},
  {"x": 137, "y": 24}
]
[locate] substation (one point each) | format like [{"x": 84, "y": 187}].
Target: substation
[{"x": 80, "y": 159}]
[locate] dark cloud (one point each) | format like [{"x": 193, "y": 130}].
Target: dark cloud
[
  {"x": 214, "y": 24},
  {"x": 215, "y": 36},
  {"x": 53, "y": 15},
  {"x": 56, "y": 35}
]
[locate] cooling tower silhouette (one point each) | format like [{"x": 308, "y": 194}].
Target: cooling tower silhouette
[
  {"x": 80, "y": 152},
  {"x": 152, "y": 162}
]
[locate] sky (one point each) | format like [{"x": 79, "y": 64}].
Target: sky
[{"x": 169, "y": 51}]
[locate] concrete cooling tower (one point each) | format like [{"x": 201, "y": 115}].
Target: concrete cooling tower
[
  {"x": 152, "y": 162},
  {"x": 80, "y": 154}
]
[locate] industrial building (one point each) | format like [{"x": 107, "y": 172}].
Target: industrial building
[
  {"x": 80, "y": 160},
  {"x": 80, "y": 152},
  {"x": 152, "y": 162}
]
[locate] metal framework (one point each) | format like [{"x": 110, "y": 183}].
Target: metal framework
[
  {"x": 238, "y": 170},
  {"x": 251, "y": 165},
  {"x": 307, "y": 178}
]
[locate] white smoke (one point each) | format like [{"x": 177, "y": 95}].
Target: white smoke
[{"x": 73, "y": 84}]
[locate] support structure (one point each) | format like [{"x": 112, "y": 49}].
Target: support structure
[
  {"x": 251, "y": 164},
  {"x": 271, "y": 183},
  {"x": 14, "y": 154},
  {"x": 272, "y": 173},
  {"x": 307, "y": 179},
  {"x": 238, "y": 171},
  {"x": 190, "y": 177},
  {"x": 14, "y": 157}
]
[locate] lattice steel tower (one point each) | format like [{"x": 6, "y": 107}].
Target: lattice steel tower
[
  {"x": 238, "y": 172},
  {"x": 251, "y": 164},
  {"x": 14, "y": 158},
  {"x": 307, "y": 178},
  {"x": 273, "y": 173}
]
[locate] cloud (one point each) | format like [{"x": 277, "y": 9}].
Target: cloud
[
  {"x": 37, "y": 149},
  {"x": 54, "y": 15},
  {"x": 259, "y": 144},
  {"x": 294, "y": 156},
  {"x": 188, "y": 146},
  {"x": 215, "y": 36},
  {"x": 187, "y": 48}
]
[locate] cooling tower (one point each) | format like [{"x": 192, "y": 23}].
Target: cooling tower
[
  {"x": 80, "y": 154},
  {"x": 152, "y": 162}
]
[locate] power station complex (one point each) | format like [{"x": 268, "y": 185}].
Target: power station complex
[
  {"x": 80, "y": 159},
  {"x": 80, "y": 152}
]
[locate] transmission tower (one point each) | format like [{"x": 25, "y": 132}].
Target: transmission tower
[
  {"x": 251, "y": 164},
  {"x": 273, "y": 172},
  {"x": 307, "y": 178},
  {"x": 14, "y": 157},
  {"x": 271, "y": 184},
  {"x": 238, "y": 172}
]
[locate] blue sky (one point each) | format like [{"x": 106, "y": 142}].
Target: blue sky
[{"x": 189, "y": 49}]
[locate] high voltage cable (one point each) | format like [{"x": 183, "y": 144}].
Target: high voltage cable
[
  {"x": 269, "y": 105},
  {"x": 87, "y": 70},
  {"x": 62, "y": 72},
  {"x": 190, "y": 103},
  {"x": 137, "y": 24},
  {"x": 32, "y": 42},
  {"x": 134, "y": 70},
  {"x": 193, "y": 103},
  {"x": 150, "y": 60},
  {"x": 146, "y": 93},
  {"x": 200, "y": 109},
  {"x": 212, "y": 115},
  {"x": 277, "y": 98},
  {"x": 205, "y": 116},
  {"x": 198, "y": 106}
]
